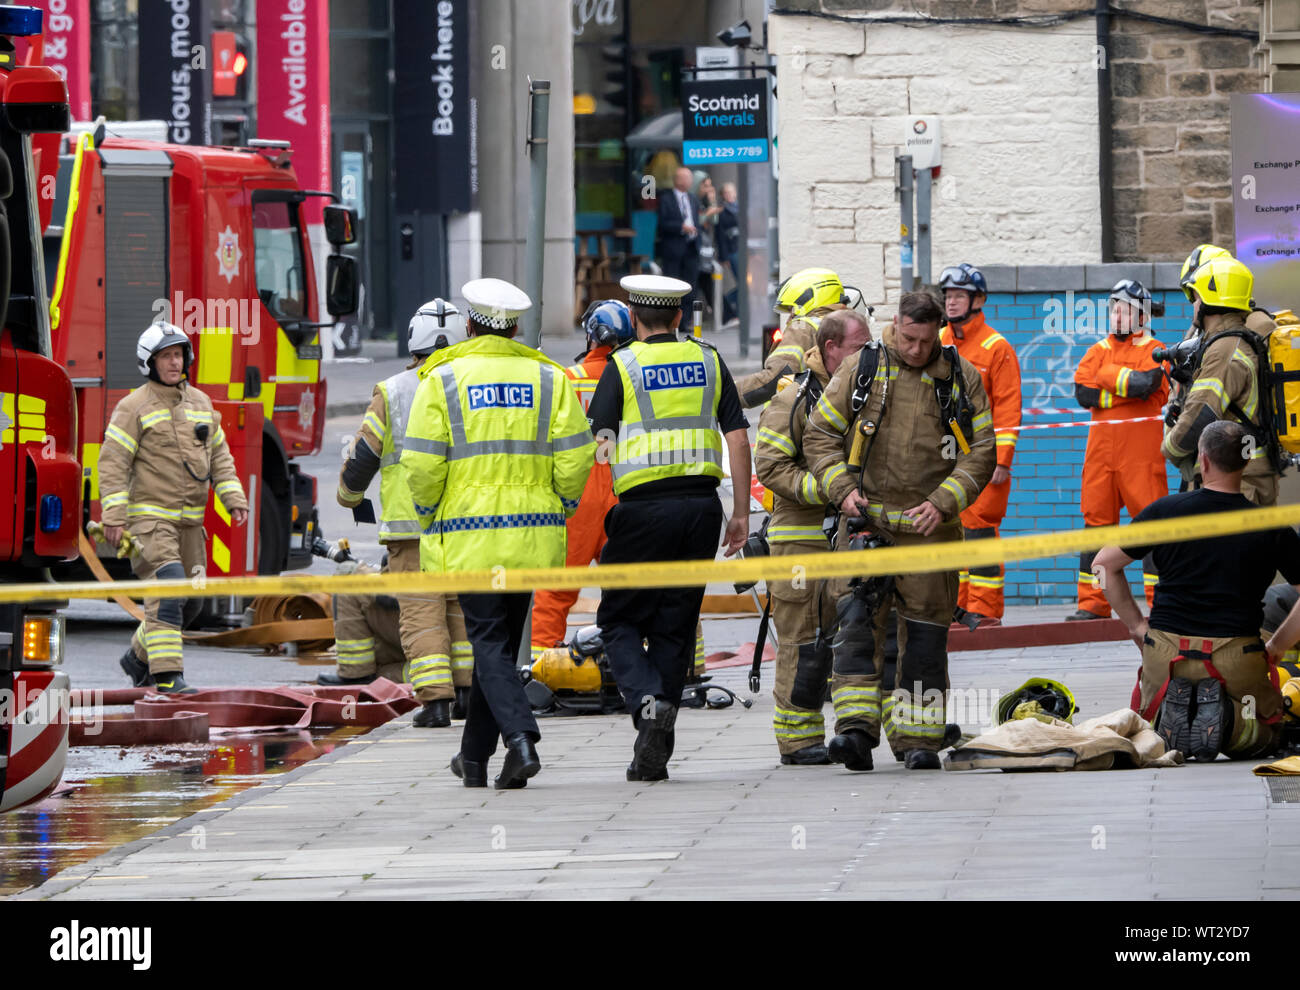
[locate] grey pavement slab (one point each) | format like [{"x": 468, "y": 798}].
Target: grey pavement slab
[{"x": 386, "y": 819}]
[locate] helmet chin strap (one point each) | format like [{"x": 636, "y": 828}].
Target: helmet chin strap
[{"x": 956, "y": 322}]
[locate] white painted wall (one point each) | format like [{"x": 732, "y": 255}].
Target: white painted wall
[{"x": 1019, "y": 122}]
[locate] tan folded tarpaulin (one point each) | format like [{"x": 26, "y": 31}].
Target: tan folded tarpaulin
[{"x": 1121, "y": 739}]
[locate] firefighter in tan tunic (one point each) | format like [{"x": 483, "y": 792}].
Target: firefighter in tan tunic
[
  {"x": 902, "y": 436},
  {"x": 163, "y": 448}
]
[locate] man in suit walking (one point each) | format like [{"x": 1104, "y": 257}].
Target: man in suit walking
[{"x": 679, "y": 235}]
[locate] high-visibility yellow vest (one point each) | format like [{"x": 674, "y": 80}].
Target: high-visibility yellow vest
[
  {"x": 669, "y": 427},
  {"x": 397, "y": 520},
  {"x": 497, "y": 453}
]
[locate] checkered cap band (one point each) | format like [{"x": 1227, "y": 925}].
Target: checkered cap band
[
  {"x": 492, "y": 322},
  {"x": 641, "y": 299}
]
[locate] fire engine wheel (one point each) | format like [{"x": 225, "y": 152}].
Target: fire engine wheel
[{"x": 272, "y": 534}]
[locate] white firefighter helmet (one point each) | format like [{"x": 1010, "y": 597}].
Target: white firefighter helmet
[
  {"x": 436, "y": 324},
  {"x": 158, "y": 337}
]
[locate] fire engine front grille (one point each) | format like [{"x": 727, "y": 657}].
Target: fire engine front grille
[{"x": 135, "y": 256}]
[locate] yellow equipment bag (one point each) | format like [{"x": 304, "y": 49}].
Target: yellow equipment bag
[
  {"x": 560, "y": 670},
  {"x": 1284, "y": 378}
]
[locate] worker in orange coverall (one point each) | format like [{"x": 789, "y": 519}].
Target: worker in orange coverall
[
  {"x": 1118, "y": 379},
  {"x": 964, "y": 293},
  {"x": 608, "y": 324}
]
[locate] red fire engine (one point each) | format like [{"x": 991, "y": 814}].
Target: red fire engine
[
  {"x": 215, "y": 241},
  {"x": 38, "y": 467}
]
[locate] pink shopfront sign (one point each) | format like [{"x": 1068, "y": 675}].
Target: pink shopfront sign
[
  {"x": 67, "y": 48},
  {"x": 293, "y": 86}
]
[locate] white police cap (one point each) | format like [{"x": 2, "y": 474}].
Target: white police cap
[
  {"x": 495, "y": 303},
  {"x": 654, "y": 290}
]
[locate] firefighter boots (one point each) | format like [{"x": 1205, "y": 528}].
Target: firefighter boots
[
  {"x": 434, "y": 715},
  {"x": 809, "y": 756},
  {"x": 921, "y": 759},
  {"x": 134, "y": 668},
  {"x": 171, "y": 682},
  {"x": 1211, "y": 726},
  {"x": 1174, "y": 722},
  {"x": 852, "y": 747},
  {"x": 331, "y": 679}
]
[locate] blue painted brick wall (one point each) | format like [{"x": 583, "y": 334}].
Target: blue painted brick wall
[{"x": 1051, "y": 332}]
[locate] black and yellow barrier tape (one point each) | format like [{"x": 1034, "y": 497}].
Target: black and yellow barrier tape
[{"x": 685, "y": 573}]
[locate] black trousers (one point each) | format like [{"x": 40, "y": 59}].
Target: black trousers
[
  {"x": 498, "y": 706},
  {"x": 681, "y": 262},
  {"x": 663, "y": 619}
]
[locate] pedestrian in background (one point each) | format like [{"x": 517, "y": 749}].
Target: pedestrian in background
[
  {"x": 679, "y": 233},
  {"x": 727, "y": 244}
]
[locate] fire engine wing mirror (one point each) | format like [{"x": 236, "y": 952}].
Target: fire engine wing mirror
[
  {"x": 36, "y": 101},
  {"x": 341, "y": 287},
  {"x": 340, "y": 225}
]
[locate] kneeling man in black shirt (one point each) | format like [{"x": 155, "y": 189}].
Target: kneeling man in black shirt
[{"x": 1207, "y": 681}]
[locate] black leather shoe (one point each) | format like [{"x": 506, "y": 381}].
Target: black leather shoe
[
  {"x": 1174, "y": 719},
  {"x": 134, "y": 668},
  {"x": 332, "y": 679},
  {"x": 172, "y": 682},
  {"x": 521, "y": 762},
  {"x": 809, "y": 756},
  {"x": 921, "y": 759},
  {"x": 460, "y": 707},
  {"x": 473, "y": 774},
  {"x": 636, "y": 773},
  {"x": 653, "y": 747},
  {"x": 851, "y": 748},
  {"x": 1083, "y": 615},
  {"x": 434, "y": 715}
]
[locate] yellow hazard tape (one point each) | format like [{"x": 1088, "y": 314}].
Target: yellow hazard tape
[{"x": 687, "y": 573}]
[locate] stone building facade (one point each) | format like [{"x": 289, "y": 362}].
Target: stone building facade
[
  {"x": 1016, "y": 85},
  {"x": 1021, "y": 191}
]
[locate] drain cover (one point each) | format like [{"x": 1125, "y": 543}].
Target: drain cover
[{"x": 1283, "y": 790}]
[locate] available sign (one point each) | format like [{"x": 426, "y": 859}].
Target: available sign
[
  {"x": 1266, "y": 193},
  {"x": 724, "y": 120},
  {"x": 67, "y": 48},
  {"x": 293, "y": 87}
]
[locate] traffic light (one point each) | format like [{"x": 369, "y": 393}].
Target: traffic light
[
  {"x": 772, "y": 334},
  {"x": 614, "y": 90},
  {"x": 230, "y": 65}
]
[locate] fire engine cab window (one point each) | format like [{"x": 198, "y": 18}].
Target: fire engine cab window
[{"x": 277, "y": 246}]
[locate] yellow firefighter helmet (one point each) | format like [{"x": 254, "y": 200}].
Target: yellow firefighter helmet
[
  {"x": 1199, "y": 256},
  {"x": 810, "y": 289},
  {"x": 1223, "y": 282}
]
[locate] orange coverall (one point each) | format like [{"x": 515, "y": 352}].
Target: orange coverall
[
  {"x": 980, "y": 589},
  {"x": 585, "y": 529},
  {"x": 1123, "y": 464}
]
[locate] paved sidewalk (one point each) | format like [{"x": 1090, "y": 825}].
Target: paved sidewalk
[{"x": 384, "y": 818}]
